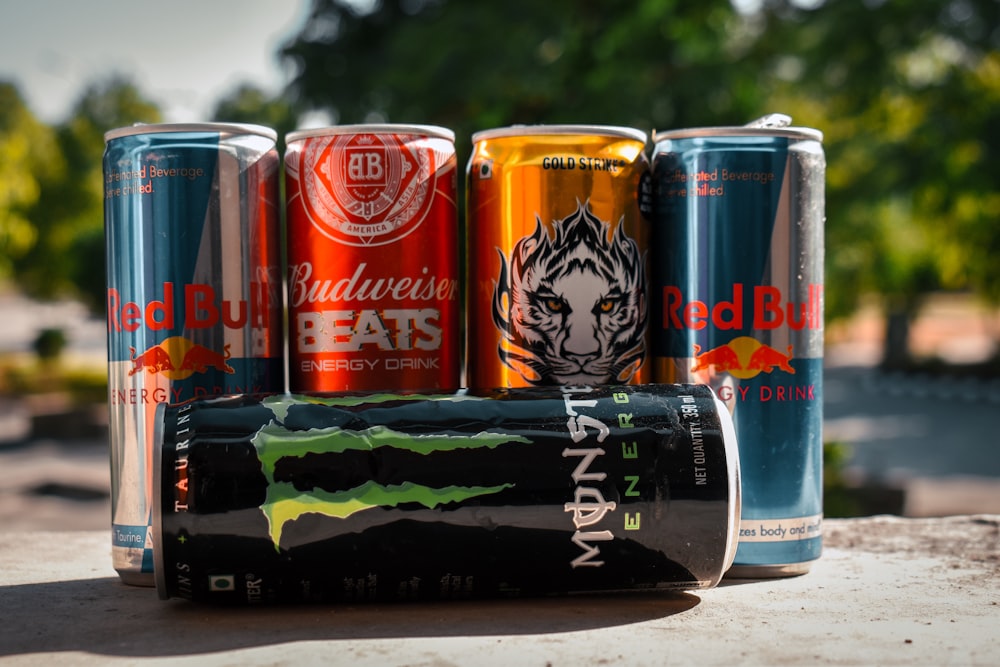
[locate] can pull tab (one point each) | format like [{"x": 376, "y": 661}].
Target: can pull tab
[{"x": 771, "y": 120}]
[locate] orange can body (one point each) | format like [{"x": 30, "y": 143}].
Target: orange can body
[
  {"x": 557, "y": 262},
  {"x": 373, "y": 278}
]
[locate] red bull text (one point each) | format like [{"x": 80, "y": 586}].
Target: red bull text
[
  {"x": 194, "y": 296},
  {"x": 738, "y": 304}
]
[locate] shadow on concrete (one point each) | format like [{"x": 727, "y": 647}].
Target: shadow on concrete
[{"x": 105, "y": 617}]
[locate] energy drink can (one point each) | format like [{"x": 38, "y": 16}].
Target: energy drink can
[
  {"x": 408, "y": 497},
  {"x": 373, "y": 259},
  {"x": 557, "y": 270},
  {"x": 738, "y": 305},
  {"x": 194, "y": 298}
]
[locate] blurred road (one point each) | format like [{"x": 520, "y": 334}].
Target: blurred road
[
  {"x": 902, "y": 426},
  {"x": 938, "y": 438},
  {"x": 21, "y": 320}
]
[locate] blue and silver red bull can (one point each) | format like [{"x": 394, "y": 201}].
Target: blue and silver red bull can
[
  {"x": 738, "y": 304},
  {"x": 194, "y": 300}
]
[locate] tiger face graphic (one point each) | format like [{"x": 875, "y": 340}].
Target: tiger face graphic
[{"x": 571, "y": 305}]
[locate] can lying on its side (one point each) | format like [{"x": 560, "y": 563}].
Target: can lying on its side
[
  {"x": 392, "y": 497},
  {"x": 738, "y": 302},
  {"x": 557, "y": 268},
  {"x": 194, "y": 299}
]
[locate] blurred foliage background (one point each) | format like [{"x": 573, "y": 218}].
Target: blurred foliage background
[{"x": 906, "y": 92}]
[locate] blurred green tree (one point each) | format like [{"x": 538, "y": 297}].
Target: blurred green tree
[
  {"x": 28, "y": 155},
  {"x": 66, "y": 255},
  {"x": 471, "y": 66},
  {"x": 906, "y": 94}
]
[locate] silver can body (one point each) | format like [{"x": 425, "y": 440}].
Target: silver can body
[
  {"x": 738, "y": 304},
  {"x": 194, "y": 298}
]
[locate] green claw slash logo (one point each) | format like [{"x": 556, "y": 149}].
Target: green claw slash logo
[{"x": 283, "y": 502}]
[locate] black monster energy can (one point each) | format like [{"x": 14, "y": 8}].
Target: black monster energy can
[{"x": 390, "y": 497}]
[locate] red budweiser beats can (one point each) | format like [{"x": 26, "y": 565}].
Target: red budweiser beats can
[
  {"x": 193, "y": 234},
  {"x": 373, "y": 258},
  {"x": 557, "y": 235}
]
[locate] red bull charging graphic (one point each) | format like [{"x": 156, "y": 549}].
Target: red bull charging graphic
[
  {"x": 738, "y": 305},
  {"x": 194, "y": 293}
]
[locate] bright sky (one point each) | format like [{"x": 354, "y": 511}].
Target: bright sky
[{"x": 184, "y": 55}]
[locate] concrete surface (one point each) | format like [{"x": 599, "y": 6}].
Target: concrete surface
[{"x": 887, "y": 591}]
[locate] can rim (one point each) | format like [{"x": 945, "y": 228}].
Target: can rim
[
  {"x": 735, "y": 485},
  {"x": 372, "y": 128},
  {"x": 166, "y": 128},
  {"x": 543, "y": 130},
  {"x": 156, "y": 511},
  {"x": 739, "y": 131}
]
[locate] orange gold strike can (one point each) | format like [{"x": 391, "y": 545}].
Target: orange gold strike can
[
  {"x": 373, "y": 284},
  {"x": 557, "y": 238}
]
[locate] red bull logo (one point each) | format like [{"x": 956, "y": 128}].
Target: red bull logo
[
  {"x": 178, "y": 358},
  {"x": 742, "y": 357},
  {"x": 759, "y": 308}
]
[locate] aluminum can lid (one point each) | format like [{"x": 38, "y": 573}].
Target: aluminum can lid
[
  {"x": 381, "y": 128},
  {"x": 545, "y": 130},
  {"x": 162, "y": 128}
]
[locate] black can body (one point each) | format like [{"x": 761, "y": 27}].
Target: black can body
[{"x": 521, "y": 492}]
